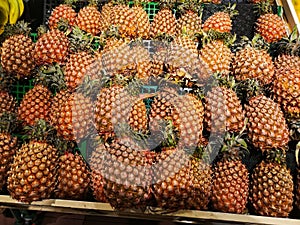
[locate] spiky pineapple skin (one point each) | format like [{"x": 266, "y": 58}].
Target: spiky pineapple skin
[
  {"x": 219, "y": 21},
  {"x": 271, "y": 190},
  {"x": 251, "y": 63},
  {"x": 230, "y": 187},
  {"x": 164, "y": 22},
  {"x": 89, "y": 19},
  {"x": 17, "y": 57},
  {"x": 223, "y": 111},
  {"x": 51, "y": 47},
  {"x": 217, "y": 56},
  {"x": 285, "y": 60},
  {"x": 74, "y": 119},
  {"x": 189, "y": 23},
  {"x": 271, "y": 27},
  {"x": 181, "y": 182},
  {"x": 35, "y": 105},
  {"x": 8, "y": 148},
  {"x": 32, "y": 175},
  {"x": 297, "y": 187},
  {"x": 73, "y": 177},
  {"x": 64, "y": 12},
  {"x": 8, "y": 103},
  {"x": 143, "y": 22}
]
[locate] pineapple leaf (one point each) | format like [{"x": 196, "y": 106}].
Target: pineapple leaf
[
  {"x": 40, "y": 131},
  {"x": 9, "y": 122}
]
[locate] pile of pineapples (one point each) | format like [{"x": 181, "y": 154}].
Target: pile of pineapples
[{"x": 167, "y": 150}]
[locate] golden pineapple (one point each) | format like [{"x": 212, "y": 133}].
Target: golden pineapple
[
  {"x": 180, "y": 182},
  {"x": 285, "y": 60},
  {"x": 252, "y": 61},
  {"x": 8, "y": 103},
  {"x": 220, "y": 21},
  {"x": 89, "y": 18},
  {"x": 51, "y": 47},
  {"x": 271, "y": 187},
  {"x": 217, "y": 56},
  {"x": 127, "y": 174},
  {"x": 142, "y": 19},
  {"x": 266, "y": 126},
  {"x": 189, "y": 22},
  {"x": 64, "y": 11},
  {"x": 73, "y": 177},
  {"x": 164, "y": 22},
  {"x": 230, "y": 178},
  {"x": 223, "y": 111},
  {"x": 269, "y": 25},
  {"x": 8, "y": 145},
  {"x": 32, "y": 175},
  {"x": 35, "y": 105},
  {"x": 17, "y": 57}
]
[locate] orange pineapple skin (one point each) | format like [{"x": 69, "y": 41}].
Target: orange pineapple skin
[
  {"x": 89, "y": 19},
  {"x": 219, "y": 21},
  {"x": 62, "y": 11}
]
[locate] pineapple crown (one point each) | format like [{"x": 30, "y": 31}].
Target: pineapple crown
[
  {"x": 169, "y": 133},
  {"x": 212, "y": 35},
  {"x": 275, "y": 156},
  {"x": 82, "y": 41},
  {"x": 51, "y": 76},
  {"x": 8, "y": 122},
  {"x": 230, "y": 9},
  {"x": 70, "y": 2},
  {"x": 120, "y": 2},
  {"x": 294, "y": 128},
  {"x": 263, "y": 7},
  {"x": 140, "y": 2},
  {"x": 64, "y": 146},
  {"x": 191, "y": 5},
  {"x": 220, "y": 80},
  {"x": 167, "y": 4},
  {"x": 287, "y": 45},
  {"x": 256, "y": 42},
  {"x": 93, "y": 2},
  {"x": 40, "y": 131},
  {"x": 21, "y": 27}
]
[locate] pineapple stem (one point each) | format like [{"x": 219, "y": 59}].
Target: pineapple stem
[
  {"x": 8, "y": 122},
  {"x": 40, "y": 131},
  {"x": 276, "y": 155}
]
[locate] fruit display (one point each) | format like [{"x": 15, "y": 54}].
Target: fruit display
[{"x": 219, "y": 132}]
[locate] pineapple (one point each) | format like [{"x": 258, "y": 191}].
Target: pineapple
[
  {"x": 297, "y": 184},
  {"x": 230, "y": 186},
  {"x": 127, "y": 173},
  {"x": 266, "y": 127},
  {"x": 271, "y": 187},
  {"x": 215, "y": 52},
  {"x": 189, "y": 22},
  {"x": 125, "y": 20},
  {"x": 180, "y": 181},
  {"x": 64, "y": 11},
  {"x": 287, "y": 60},
  {"x": 89, "y": 18},
  {"x": 32, "y": 175},
  {"x": 51, "y": 47},
  {"x": 252, "y": 60},
  {"x": 269, "y": 25},
  {"x": 8, "y": 144},
  {"x": 17, "y": 57},
  {"x": 221, "y": 21},
  {"x": 73, "y": 177},
  {"x": 142, "y": 19},
  {"x": 8, "y": 103},
  {"x": 36, "y": 102},
  {"x": 164, "y": 22},
  {"x": 223, "y": 110}
]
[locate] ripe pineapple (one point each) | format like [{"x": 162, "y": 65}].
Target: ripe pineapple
[
  {"x": 96, "y": 165},
  {"x": 8, "y": 145},
  {"x": 73, "y": 177},
  {"x": 51, "y": 47},
  {"x": 297, "y": 184},
  {"x": 115, "y": 105},
  {"x": 230, "y": 178},
  {"x": 269, "y": 25},
  {"x": 64, "y": 11},
  {"x": 127, "y": 174},
  {"x": 164, "y": 22},
  {"x": 223, "y": 110},
  {"x": 141, "y": 19},
  {"x": 32, "y": 175},
  {"x": 17, "y": 51},
  {"x": 285, "y": 90},
  {"x": 8, "y": 103},
  {"x": 221, "y": 21},
  {"x": 125, "y": 20},
  {"x": 189, "y": 22},
  {"x": 253, "y": 61},
  {"x": 36, "y": 103},
  {"x": 271, "y": 187},
  {"x": 89, "y": 18},
  {"x": 266, "y": 127},
  {"x": 216, "y": 53},
  {"x": 287, "y": 60}
]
